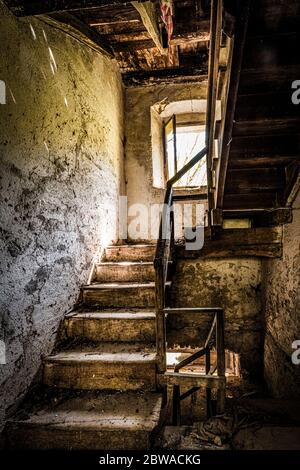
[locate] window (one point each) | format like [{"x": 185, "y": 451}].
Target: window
[{"x": 182, "y": 143}]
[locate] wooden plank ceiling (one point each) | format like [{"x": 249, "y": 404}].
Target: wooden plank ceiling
[
  {"x": 264, "y": 155},
  {"x": 120, "y": 28}
]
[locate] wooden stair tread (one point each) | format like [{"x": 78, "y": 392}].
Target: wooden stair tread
[
  {"x": 106, "y": 353},
  {"x": 119, "y": 285},
  {"x": 145, "y": 245},
  {"x": 126, "y": 411},
  {"x": 139, "y": 315},
  {"x": 144, "y": 252},
  {"x": 125, "y": 263},
  {"x": 191, "y": 379}
]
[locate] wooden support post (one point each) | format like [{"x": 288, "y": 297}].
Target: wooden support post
[
  {"x": 176, "y": 405},
  {"x": 220, "y": 360},
  {"x": 208, "y": 390},
  {"x": 160, "y": 318}
]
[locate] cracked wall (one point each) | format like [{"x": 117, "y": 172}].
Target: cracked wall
[
  {"x": 282, "y": 318},
  {"x": 61, "y": 150}
]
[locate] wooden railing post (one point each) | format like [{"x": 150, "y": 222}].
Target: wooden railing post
[
  {"x": 208, "y": 390},
  {"x": 176, "y": 405},
  {"x": 220, "y": 359},
  {"x": 160, "y": 316}
]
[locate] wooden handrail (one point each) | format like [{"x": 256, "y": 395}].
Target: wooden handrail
[
  {"x": 187, "y": 167},
  {"x": 163, "y": 255}
]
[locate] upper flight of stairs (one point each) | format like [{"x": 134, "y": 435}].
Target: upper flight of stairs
[
  {"x": 264, "y": 152},
  {"x": 105, "y": 368}
]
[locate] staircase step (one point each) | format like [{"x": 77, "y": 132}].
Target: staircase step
[
  {"x": 109, "y": 366},
  {"x": 120, "y": 294},
  {"x": 125, "y": 271},
  {"x": 123, "y": 326},
  {"x": 90, "y": 421},
  {"x": 130, "y": 253}
]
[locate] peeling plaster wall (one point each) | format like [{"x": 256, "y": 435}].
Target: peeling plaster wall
[
  {"x": 233, "y": 284},
  {"x": 138, "y": 151},
  {"x": 282, "y": 310},
  {"x": 61, "y": 151}
]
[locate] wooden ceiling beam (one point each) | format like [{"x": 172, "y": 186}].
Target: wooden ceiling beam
[
  {"x": 99, "y": 16},
  {"x": 166, "y": 75},
  {"x": 37, "y": 7},
  {"x": 148, "y": 14},
  {"x": 76, "y": 28}
]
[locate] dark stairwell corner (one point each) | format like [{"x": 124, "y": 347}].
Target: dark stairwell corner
[{"x": 118, "y": 330}]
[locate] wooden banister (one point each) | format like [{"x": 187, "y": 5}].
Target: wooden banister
[{"x": 163, "y": 256}]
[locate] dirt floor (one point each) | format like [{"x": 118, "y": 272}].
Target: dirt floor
[{"x": 252, "y": 421}]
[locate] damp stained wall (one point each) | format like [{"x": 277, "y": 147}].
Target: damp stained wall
[
  {"x": 61, "y": 158},
  {"x": 231, "y": 283},
  {"x": 282, "y": 313}
]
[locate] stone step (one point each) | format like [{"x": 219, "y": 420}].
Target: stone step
[
  {"x": 125, "y": 271},
  {"x": 119, "y": 294},
  {"x": 123, "y": 326},
  {"x": 130, "y": 253},
  {"x": 89, "y": 421},
  {"x": 109, "y": 366}
]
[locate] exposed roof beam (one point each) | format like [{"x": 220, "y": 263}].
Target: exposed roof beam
[
  {"x": 79, "y": 30},
  {"x": 38, "y": 7},
  {"x": 182, "y": 74},
  {"x": 147, "y": 11}
]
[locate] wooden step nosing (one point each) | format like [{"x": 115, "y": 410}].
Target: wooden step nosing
[
  {"x": 135, "y": 247},
  {"x": 125, "y": 264},
  {"x": 113, "y": 316},
  {"x": 99, "y": 360},
  {"x": 118, "y": 286}
]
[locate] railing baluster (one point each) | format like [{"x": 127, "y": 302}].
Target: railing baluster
[
  {"x": 208, "y": 390},
  {"x": 176, "y": 405},
  {"x": 220, "y": 359},
  {"x": 160, "y": 316}
]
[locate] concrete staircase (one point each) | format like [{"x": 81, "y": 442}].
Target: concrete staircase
[{"x": 102, "y": 378}]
